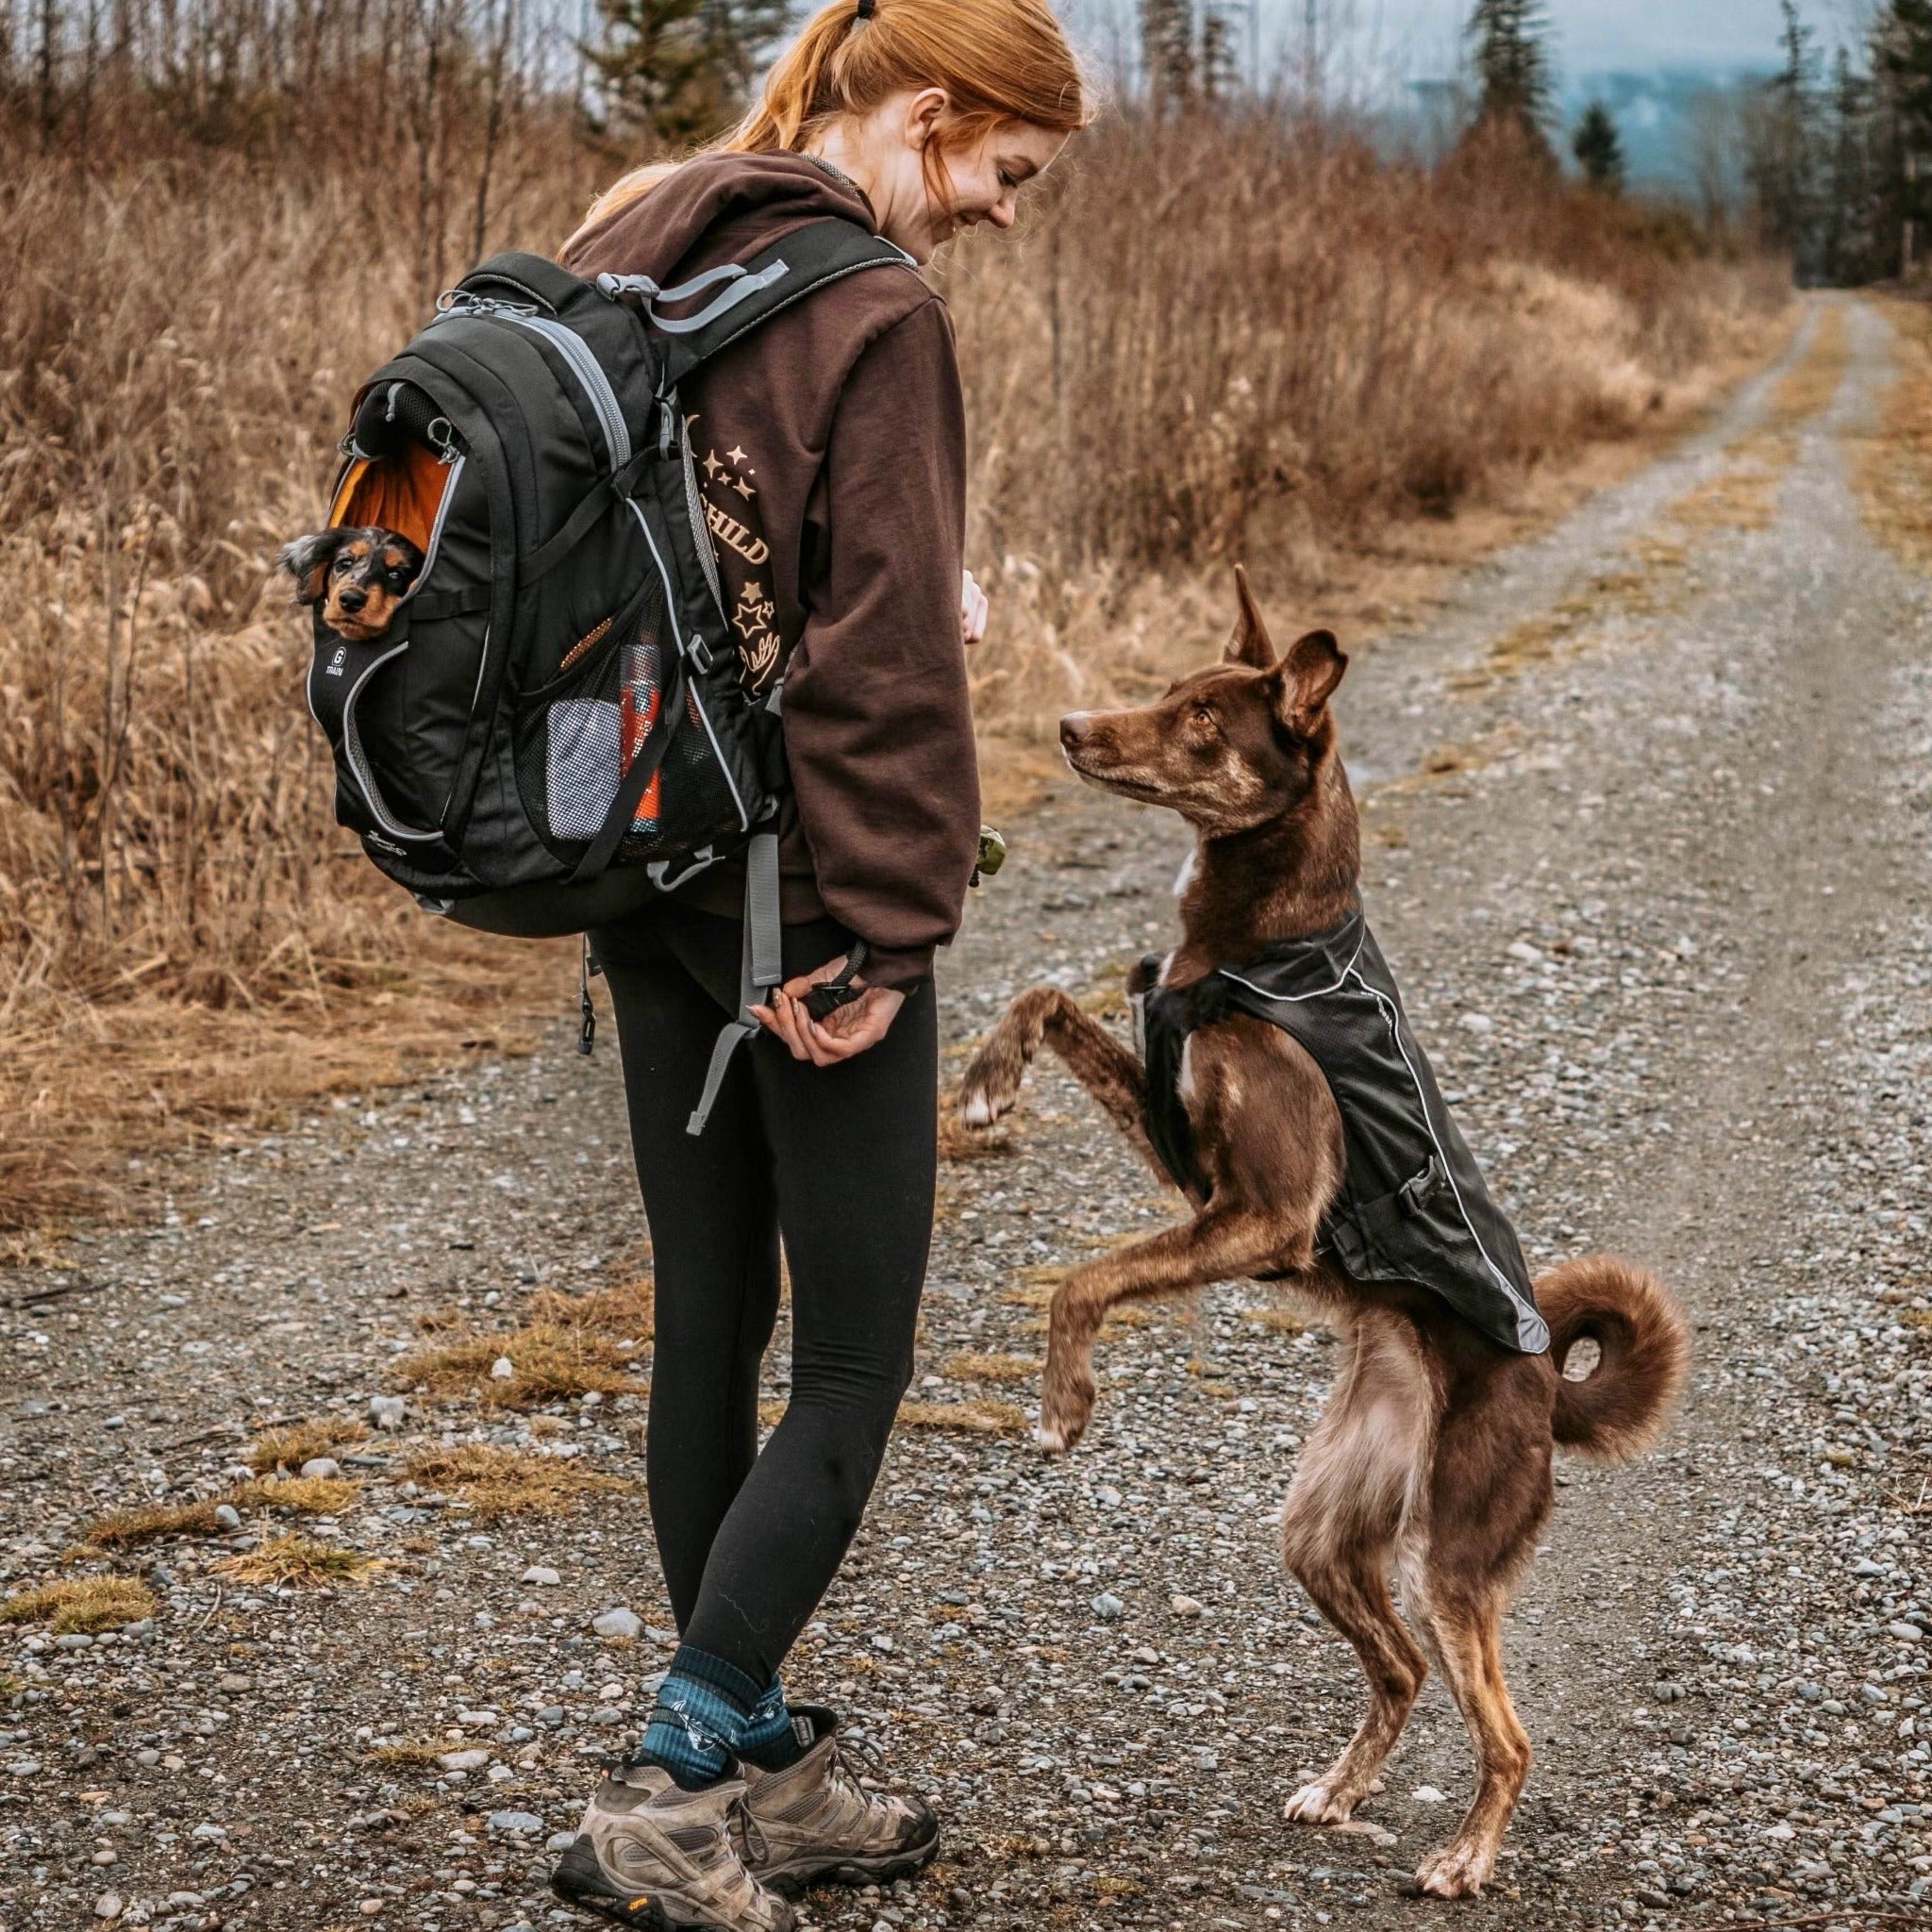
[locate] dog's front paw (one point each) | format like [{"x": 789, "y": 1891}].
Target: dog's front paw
[
  {"x": 1459, "y": 1869},
  {"x": 1066, "y": 1405},
  {"x": 991, "y": 1085},
  {"x": 1316, "y": 1805}
]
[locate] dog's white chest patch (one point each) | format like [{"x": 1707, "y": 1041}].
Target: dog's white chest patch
[{"x": 1185, "y": 878}]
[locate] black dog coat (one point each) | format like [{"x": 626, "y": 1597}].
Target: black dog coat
[{"x": 1412, "y": 1205}]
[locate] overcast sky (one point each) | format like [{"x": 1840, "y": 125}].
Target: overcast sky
[{"x": 1596, "y": 34}]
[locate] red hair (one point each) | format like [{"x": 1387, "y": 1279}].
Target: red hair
[{"x": 998, "y": 60}]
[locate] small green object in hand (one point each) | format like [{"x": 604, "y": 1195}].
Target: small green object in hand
[{"x": 993, "y": 855}]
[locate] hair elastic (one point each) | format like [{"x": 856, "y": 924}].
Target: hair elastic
[{"x": 863, "y": 10}]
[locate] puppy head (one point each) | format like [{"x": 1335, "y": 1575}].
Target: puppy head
[
  {"x": 359, "y": 576},
  {"x": 1229, "y": 748}
]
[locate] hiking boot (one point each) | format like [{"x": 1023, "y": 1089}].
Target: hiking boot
[
  {"x": 813, "y": 1824},
  {"x": 653, "y": 1855}
]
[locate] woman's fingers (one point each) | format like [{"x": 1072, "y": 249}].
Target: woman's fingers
[
  {"x": 973, "y": 610},
  {"x": 852, "y": 1029}
]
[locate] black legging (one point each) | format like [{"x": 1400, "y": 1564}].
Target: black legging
[{"x": 841, "y": 1160}]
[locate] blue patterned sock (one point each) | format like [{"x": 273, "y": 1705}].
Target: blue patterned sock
[
  {"x": 768, "y": 1738},
  {"x": 702, "y": 1709}
]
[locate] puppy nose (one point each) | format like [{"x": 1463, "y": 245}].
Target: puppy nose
[
  {"x": 352, "y": 599},
  {"x": 1073, "y": 728}
]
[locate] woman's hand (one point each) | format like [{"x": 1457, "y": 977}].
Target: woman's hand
[
  {"x": 851, "y": 1029},
  {"x": 972, "y": 611}
]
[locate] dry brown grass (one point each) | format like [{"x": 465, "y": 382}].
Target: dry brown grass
[
  {"x": 153, "y": 1521},
  {"x": 1278, "y": 1321},
  {"x": 295, "y": 1444},
  {"x": 1892, "y": 464},
  {"x": 409, "y": 1752},
  {"x": 498, "y": 1482},
  {"x": 993, "y": 1368},
  {"x": 549, "y": 1361},
  {"x": 1159, "y": 380},
  {"x": 965, "y": 1417},
  {"x": 83, "y": 1603},
  {"x": 302, "y": 1561},
  {"x": 625, "y": 1312}
]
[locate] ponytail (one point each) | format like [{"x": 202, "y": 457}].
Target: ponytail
[{"x": 996, "y": 60}]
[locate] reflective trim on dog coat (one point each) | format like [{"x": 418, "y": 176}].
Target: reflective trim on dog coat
[{"x": 1412, "y": 1204}]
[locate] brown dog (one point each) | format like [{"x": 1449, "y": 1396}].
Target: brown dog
[
  {"x": 1433, "y": 1454},
  {"x": 358, "y": 576}
]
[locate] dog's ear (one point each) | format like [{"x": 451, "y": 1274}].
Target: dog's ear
[
  {"x": 1307, "y": 677},
  {"x": 1250, "y": 644},
  {"x": 307, "y": 559}
]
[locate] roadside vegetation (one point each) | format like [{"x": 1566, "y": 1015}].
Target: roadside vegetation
[{"x": 1225, "y": 333}]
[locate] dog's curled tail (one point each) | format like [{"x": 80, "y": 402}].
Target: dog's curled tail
[{"x": 1617, "y": 1411}]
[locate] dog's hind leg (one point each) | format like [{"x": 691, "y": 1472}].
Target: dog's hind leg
[
  {"x": 1045, "y": 1016},
  {"x": 1465, "y": 1626},
  {"x": 1489, "y": 1492},
  {"x": 1359, "y": 1478}
]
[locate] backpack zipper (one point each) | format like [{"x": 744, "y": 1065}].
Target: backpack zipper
[
  {"x": 700, "y": 531},
  {"x": 678, "y": 638},
  {"x": 574, "y": 351}
]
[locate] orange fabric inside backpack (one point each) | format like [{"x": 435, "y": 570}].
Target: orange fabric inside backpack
[{"x": 402, "y": 493}]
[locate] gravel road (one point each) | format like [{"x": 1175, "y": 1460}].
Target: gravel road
[{"x": 1649, "y": 832}]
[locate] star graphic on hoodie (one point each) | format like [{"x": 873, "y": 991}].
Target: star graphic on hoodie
[
  {"x": 737, "y": 455},
  {"x": 712, "y": 465}
]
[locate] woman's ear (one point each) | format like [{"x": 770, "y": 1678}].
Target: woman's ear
[{"x": 924, "y": 111}]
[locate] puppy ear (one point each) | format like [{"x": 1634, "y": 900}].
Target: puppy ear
[
  {"x": 1307, "y": 676},
  {"x": 1250, "y": 644},
  {"x": 307, "y": 559}
]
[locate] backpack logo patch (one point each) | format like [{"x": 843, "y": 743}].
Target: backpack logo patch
[{"x": 337, "y": 663}]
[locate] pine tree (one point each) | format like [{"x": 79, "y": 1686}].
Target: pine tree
[
  {"x": 1781, "y": 165},
  {"x": 1599, "y": 149},
  {"x": 1512, "y": 65},
  {"x": 1901, "y": 47},
  {"x": 1167, "y": 46},
  {"x": 678, "y": 71},
  {"x": 1846, "y": 247},
  {"x": 1221, "y": 60}
]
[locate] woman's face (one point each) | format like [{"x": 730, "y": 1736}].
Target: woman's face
[{"x": 886, "y": 155}]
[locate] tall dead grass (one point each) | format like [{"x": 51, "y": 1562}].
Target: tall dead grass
[
  {"x": 1225, "y": 340},
  {"x": 1236, "y": 341}
]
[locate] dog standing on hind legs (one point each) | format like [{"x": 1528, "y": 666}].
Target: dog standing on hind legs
[{"x": 1283, "y": 1092}]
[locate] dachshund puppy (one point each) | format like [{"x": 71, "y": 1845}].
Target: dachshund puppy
[{"x": 358, "y": 576}]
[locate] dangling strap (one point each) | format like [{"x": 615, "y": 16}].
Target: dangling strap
[
  {"x": 761, "y": 966},
  {"x": 588, "y": 966}
]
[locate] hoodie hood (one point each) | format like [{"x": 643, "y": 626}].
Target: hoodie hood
[{"x": 738, "y": 203}]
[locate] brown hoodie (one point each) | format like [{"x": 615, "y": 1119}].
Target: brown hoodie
[{"x": 831, "y": 447}]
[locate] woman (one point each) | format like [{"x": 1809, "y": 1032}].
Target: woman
[{"x": 831, "y": 447}]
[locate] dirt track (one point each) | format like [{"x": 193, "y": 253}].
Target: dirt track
[{"x": 1650, "y": 828}]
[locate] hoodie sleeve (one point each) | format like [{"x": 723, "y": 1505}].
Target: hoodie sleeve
[{"x": 879, "y": 722}]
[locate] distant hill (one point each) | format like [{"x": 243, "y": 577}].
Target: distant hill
[{"x": 1650, "y": 108}]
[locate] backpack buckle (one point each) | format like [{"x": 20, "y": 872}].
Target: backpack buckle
[{"x": 700, "y": 654}]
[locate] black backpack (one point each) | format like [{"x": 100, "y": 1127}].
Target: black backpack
[{"x": 554, "y": 727}]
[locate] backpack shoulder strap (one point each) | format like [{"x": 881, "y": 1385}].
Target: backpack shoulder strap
[{"x": 748, "y": 293}]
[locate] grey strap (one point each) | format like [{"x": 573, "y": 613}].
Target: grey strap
[
  {"x": 760, "y": 968},
  {"x": 727, "y": 1045},
  {"x": 649, "y": 297},
  {"x": 762, "y": 916}
]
